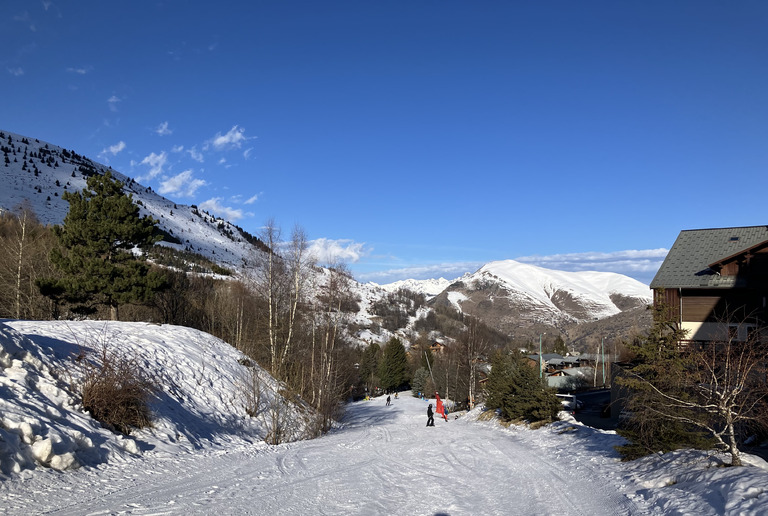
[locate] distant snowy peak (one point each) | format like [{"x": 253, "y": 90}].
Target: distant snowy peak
[
  {"x": 538, "y": 280},
  {"x": 428, "y": 287},
  {"x": 508, "y": 289}
]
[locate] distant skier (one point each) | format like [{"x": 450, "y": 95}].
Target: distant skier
[
  {"x": 430, "y": 416},
  {"x": 388, "y": 400}
]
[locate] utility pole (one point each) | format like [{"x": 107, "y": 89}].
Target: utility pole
[{"x": 602, "y": 350}]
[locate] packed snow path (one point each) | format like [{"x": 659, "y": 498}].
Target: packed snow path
[{"x": 384, "y": 460}]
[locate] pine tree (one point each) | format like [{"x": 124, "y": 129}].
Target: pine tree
[
  {"x": 393, "y": 367},
  {"x": 517, "y": 391},
  {"x": 94, "y": 254},
  {"x": 369, "y": 365},
  {"x": 658, "y": 367}
]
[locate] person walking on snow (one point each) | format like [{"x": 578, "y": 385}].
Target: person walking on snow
[
  {"x": 388, "y": 400},
  {"x": 430, "y": 416}
]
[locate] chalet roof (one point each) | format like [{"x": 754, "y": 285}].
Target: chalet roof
[{"x": 687, "y": 263}]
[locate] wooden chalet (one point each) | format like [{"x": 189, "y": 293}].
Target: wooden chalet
[{"x": 715, "y": 282}]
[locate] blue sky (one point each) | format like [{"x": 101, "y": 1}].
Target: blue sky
[{"x": 417, "y": 138}]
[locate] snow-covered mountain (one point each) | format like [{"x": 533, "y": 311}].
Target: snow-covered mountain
[
  {"x": 512, "y": 294},
  {"x": 35, "y": 174}
]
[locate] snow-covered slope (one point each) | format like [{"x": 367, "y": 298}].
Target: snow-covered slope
[
  {"x": 428, "y": 287},
  {"x": 200, "y": 402}
]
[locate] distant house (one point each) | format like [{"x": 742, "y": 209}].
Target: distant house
[
  {"x": 571, "y": 379},
  {"x": 437, "y": 347},
  {"x": 715, "y": 282}
]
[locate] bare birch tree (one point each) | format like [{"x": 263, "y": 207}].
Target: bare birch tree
[
  {"x": 280, "y": 280},
  {"x": 22, "y": 260}
]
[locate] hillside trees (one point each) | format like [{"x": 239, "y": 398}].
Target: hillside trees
[
  {"x": 329, "y": 371},
  {"x": 94, "y": 254}
]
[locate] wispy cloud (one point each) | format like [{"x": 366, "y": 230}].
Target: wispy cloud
[
  {"x": 215, "y": 207},
  {"x": 112, "y": 150},
  {"x": 252, "y": 199},
  {"x": 113, "y": 101},
  {"x": 233, "y": 139},
  {"x": 328, "y": 251},
  {"x": 426, "y": 271},
  {"x": 83, "y": 70},
  {"x": 16, "y": 72},
  {"x": 26, "y": 19},
  {"x": 156, "y": 164},
  {"x": 181, "y": 184},
  {"x": 196, "y": 155},
  {"x": 635, "y": 263},
  {"x": 163, "y": 130}
]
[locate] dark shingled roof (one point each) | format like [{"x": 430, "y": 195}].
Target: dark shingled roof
[{"x": 687, "y": 264}]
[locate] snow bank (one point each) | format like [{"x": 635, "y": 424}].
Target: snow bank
[{"x": 199, "y": 403}]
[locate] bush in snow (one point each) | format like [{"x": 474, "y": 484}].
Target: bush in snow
[{"x": 116, "y": 390}]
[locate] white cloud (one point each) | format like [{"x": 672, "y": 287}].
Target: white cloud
[
  {"x": 177, "y": 148},
  {"x": 330, "y": 251},
  {"x": 181, "y": 184},
  {"x": 156, "y": 163},
  {"x": 113, "y": 101},
  {"x": 16, "y": 72},
  {"x": 232, "y": 140},
  {"x": 247, "y": 152},
  {"x": 163, "y": 130},
  {"x": 252, "y": 199},
  {"x": 215, "y": 207},
  {"x": 112, "y": 150}
]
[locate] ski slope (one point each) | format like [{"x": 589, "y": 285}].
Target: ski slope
[{"x": 383, "y": 460}]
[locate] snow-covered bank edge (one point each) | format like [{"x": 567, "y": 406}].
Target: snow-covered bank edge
[{"x": 680, "y": 482}]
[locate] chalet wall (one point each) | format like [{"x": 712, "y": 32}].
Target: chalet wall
[
  {"x": 699, "y": 308},
  {"x": 717, "y": 331}
]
